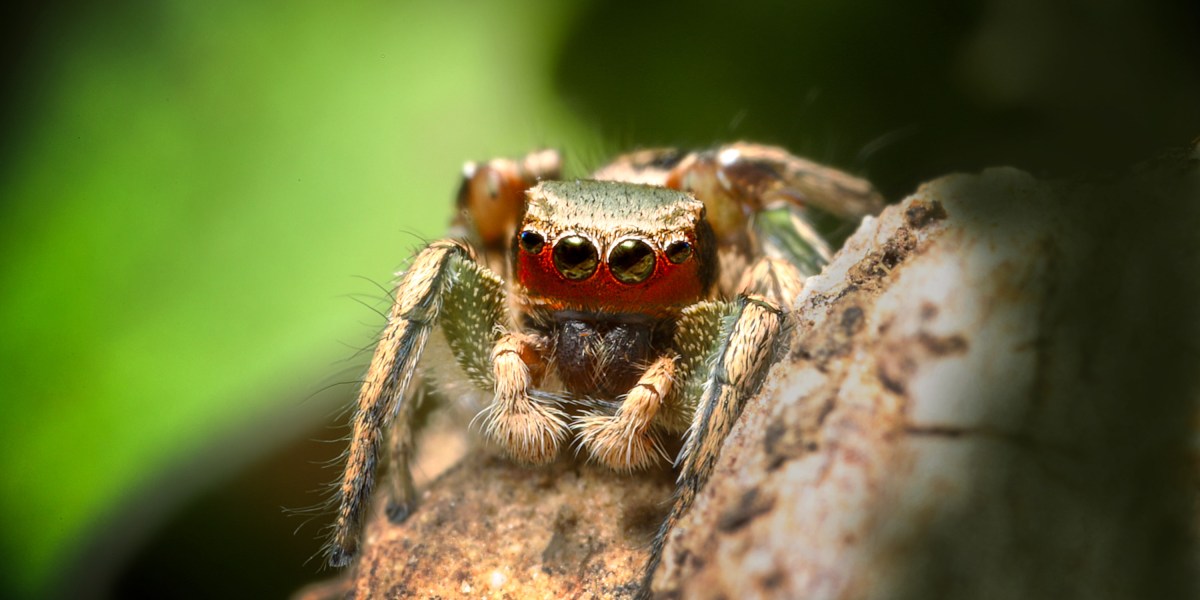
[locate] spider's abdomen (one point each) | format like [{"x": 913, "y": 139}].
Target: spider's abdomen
[{"x": 602, "y": 358}]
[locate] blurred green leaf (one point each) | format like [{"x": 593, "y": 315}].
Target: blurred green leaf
[{"x": 191, "y": 202}]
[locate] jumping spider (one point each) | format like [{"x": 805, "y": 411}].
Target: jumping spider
[{"x": 647, "y": 301}]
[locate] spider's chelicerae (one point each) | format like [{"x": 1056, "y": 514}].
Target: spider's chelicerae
[{"x": 647, "y": 301}]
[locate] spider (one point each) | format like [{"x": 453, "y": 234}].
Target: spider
[{"x": 647, "y": 301}]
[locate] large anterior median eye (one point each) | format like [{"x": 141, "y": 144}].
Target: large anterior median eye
[
  {"x": 631, "y": 261},
  {"x": 575, "y": 257}
]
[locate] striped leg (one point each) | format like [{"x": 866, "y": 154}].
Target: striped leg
[
  {"x": 750, "y": 334},
  {"x": 626, "y": 441},
  {"x": 530, "y": 429},
  {"x": 443, "y": 285}
]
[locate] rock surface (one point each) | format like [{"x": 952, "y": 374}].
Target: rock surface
[
  {"x": 489, "y": 528},
  {"x": 967, "y": 410}
]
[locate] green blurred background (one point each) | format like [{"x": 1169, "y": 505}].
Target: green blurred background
[{"x": 197, "y": 198}]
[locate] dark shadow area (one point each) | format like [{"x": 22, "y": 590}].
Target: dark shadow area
[
  {"x": 1102, "y": 481},
  {"x": 22, "y": 26},
  {"x": 899, "y": 92},
  {"x": 32, "y": 35},
  {"x": 255, "y": 533}
]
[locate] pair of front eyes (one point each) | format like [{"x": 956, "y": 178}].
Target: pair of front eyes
[{"x": 630, "y": 261}]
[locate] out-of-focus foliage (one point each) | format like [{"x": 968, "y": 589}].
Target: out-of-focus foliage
[
  {"x": 188, "y": 188},
  {"x": 185, "y": 207}
]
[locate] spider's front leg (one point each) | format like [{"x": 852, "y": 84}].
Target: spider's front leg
[
  {"x": 626, "y": 440},
  {"x": 444, "y": 286},
  {"x": 730, "y": 347},
  {"x": 530, "y": 429}
]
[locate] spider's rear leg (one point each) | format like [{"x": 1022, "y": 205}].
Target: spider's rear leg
[
  {"x": 444, "y": 285},
  {"x": 773, "y": 279},
  {"x": 401, "y": 449},
  {"x": 491, "y": 198},
  {"x": 742, "y": 340},
  {"x": 737, "y": 180},
  {"x": 763, "y": 201}
]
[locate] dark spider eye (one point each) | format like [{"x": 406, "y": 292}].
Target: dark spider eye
[
  {"x": 678, "y": 252},
  {"x": 532, "y": 241},
  {"x": 631, "y": 261},
  {"x": 575, "y": 258}
]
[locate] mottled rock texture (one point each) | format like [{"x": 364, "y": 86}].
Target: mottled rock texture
[{"x": 989, "y": 394}]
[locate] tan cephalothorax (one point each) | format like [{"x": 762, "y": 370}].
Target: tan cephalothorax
[{"x": 645, "y": 302}]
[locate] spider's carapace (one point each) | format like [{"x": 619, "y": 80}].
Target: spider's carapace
[{"x": 629, "y": 249}]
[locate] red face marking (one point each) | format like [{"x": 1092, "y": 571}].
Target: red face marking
[{"x": 668, "y": 288}]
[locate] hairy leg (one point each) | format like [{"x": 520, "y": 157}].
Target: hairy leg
[
  {"x": 625, "y": 441},
  {"x": 764, "y": 201},
  {"x": 751, "y": 334},
  {"x": 404, "y": 494},
  {"x": 491, "y": 199},
  {"x": 530, "y": 429},
  {"x": 442, "y": 278},
  {"x": 773, "y": 279},
  {"x": 740, "y": 179}
]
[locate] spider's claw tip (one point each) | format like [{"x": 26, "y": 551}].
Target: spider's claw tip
[
  {"x": 398, "y": 512},
  {"x": 339, "y": 557}
]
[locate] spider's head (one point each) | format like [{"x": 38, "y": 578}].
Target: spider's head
[{"x": 599, "y": 246}]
